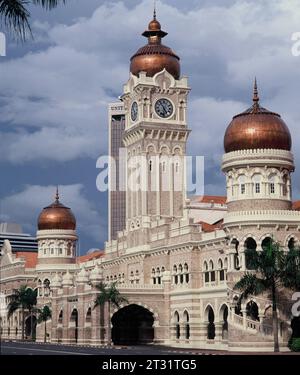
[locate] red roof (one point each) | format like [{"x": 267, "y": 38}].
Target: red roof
[
  {"x": 206, "y": 227},
  {"x": 296, "y": 205},
  {"x": 210, "y": 199},
  {"x": 29, "y": 257},
  {"x": 87, "y": 257}
]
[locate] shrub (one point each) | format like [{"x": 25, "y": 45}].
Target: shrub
[{"x": 294, "y": 344}]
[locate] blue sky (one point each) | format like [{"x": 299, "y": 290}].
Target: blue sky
[{"x": 55, "y": 89}]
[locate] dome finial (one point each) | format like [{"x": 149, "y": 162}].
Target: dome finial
[
  {"x": 255, "y": 93},
  {"x": 154, "y": 10},
  {"x": 57, "y": 195}
]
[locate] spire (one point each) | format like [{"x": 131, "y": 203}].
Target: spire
[
  {"x": 57, "y": 195},
  {"x": 154, "y": 32},
  {"x": 255, "y": 95}
]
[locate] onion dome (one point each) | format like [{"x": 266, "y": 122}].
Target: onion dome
[
  {"x": 257, "y": 128},
  {"x": 154, "y": 56},
  {"x": 56, "y": 216}
]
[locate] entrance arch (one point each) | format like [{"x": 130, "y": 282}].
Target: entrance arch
[
  {"x": 30, "y": 321},
  {"x": 132, "y": 325},
  {"x": 73, "y": 325},
  {"x": 224, "y": 320},
  {"x": 210, "y": 319}
]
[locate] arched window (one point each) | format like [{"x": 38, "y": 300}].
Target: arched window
[
  {"x": 180, "y": 269},
  {"x": 177, "y": 325},
  {"x": 250, "y": 252},
  {"x": 272, "y": 189},
  {"x": 150, "y": 165},
  {"x": 221, "y": 270},
  {"x": 46, "y": 287},
  {"x": 242, "y": 184},
  {"x": 88, "y": 317},
  {"x": 60, "y": 317},
  {"x": 256, "y": 179},
  {"x": 266, "y": 243},
  {"x": 153, "y": 276},
  {"x": 206, "y": 273},
  {"x": 187, "y": 324},
  {"x": 186, "y": 272},
  {"x": 175, "y": 274},
  {"x": 291, "y": 243},
  {"x": 285, "y": 185},
  {"x": 212, "y": 271},
  {"x": 158, "y": 275},
  {"x": 211, "y": 324}
]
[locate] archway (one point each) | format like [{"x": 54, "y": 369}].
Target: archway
[
  {"x": 88, "y": 324},
  {"x": 74, "y": 325},
  {"x": 266, "y": 243},
  {"x": 224, "y": 320},
  {"x": 211, "y": 330},
  {"x": 132, "y": 325},
  {"x": 252, "y": 310},
  {"x": 177, "y": 325},
  {"x": 250, "y": 250},
  {"x": 30, "y": 322}
]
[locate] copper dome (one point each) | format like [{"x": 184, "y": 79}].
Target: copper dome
[
  {"x": 56, "y": 216},
  {"x": 154, "y": 56},
  {"x": 257, "y": 128}
]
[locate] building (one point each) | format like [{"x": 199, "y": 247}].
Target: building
[
  {"x": 176, "y": 260},
  {"x": 116, "y": 194},
  {"x": 20, "y": 242}
]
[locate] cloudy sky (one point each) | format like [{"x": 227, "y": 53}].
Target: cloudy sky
[{"x": 54, "y": 92}]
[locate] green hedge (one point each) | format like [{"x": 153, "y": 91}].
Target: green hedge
[{"x": 294, "y": 344}]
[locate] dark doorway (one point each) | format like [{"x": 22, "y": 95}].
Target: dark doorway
[
  {"x": 132, "y": 325},
  {"x": 211, "y": 329},
  {"x": 252, "y": 310},
  {"x": 74, "y": 325},
  {"x": 30, "y": 320},
  {"x": 295, "y": 325},
  {"x": 250, "y": 252}
]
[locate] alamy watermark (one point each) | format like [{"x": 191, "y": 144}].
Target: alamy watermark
[
  {"x": 151, "y": 173},
  {"x": 296, "y": 46},
  {"x": 296, "y": 305}
]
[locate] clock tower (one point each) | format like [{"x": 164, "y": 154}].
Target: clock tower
[{"x": 156, "y": 132}]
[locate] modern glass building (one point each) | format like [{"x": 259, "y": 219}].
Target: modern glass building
[
  {"x": 20, "y": 242},
  {"x": 117, "y": 194}
]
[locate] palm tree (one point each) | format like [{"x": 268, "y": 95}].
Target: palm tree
[
  {"x": 14, "y": 14},
  {"x": 109, "y": 294},
  {"x": 275, "y": 269},
  {"x": 44, "y": 315},
  {"x": 23, "y": 298}
]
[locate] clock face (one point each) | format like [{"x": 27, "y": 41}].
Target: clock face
[
  {"x": 134, "y": 111},
  {"x": 164, "y": 108}
]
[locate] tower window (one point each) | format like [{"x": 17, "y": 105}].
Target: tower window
[
  {"x": 150, "y": 165},
  {"x": 257, "y": 187},
  {"x": 272, "y": 188},
  {"x": 243, "y": 188}
]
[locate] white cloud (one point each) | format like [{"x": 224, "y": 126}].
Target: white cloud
[{"x": 26, "y": 205}]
